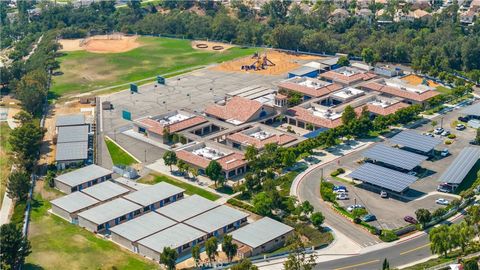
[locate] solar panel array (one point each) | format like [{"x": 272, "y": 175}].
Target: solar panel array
[
  {"x": 459, "y": 168},
  {"x": 394, "y": 156},
  {"x": 383, "y": 177},
  {"x": 414, "y": 140}
]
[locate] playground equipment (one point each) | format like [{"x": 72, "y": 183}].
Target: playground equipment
[{"x": 261, "y": 62}]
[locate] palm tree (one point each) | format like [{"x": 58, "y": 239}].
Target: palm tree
[
  {"x": 229, "y": 247},
  {"x": 196, "y": 254}
]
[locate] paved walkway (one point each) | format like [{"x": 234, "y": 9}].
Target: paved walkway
[{"x": 7, "y": 205}]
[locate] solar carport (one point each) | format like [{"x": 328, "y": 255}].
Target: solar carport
[
  {"x": 416, "y": 141},
  {"x": 459, "y": 168},
  {"x": 383, "y": 177},
  {"x": 393, "y": 156}
]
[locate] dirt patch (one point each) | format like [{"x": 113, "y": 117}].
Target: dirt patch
[
  {"x": 211, "y": 46},
  {"x": 417, "y": 80},
  {"x": 283, "y": 61},
  {"x": 101, "y": 44}
]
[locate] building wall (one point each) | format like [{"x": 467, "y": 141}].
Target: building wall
[
  {"x": 63, "y": 187},
  {"x": 267, "y": 247},
  {"x": 61, "y": 212},
  {"x": 145, "y": 251},
  {"x": 122, "y": 241},
  {"x": 68, "y": 189},
  {"x": 224, "y": 230},
  {"x": 90, "y": 226}
]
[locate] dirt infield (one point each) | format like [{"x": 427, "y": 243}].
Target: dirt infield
[
  {"x": 101, "y": 44},
  {"x": 210, "y": 46},
  {"x": 284, "y": 62}
]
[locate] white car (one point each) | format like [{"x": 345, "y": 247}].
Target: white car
[
  {"x": 445, "y": 133},
  {"x": 438, "y": 131},
  {"x": 354, "y": 206},
  {"x": 342, "y": 196},
  {"x": 442, "y": 201},
  {"x": 444, "y": 152},
  {"x": 340, "y": 191}
]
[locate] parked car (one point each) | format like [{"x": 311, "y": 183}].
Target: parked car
[
  {"x": 368, "y": 218},
  {"x": 342, "y": 196},
  {"x": 460, "y": 127},
  {"x": 438, "y": 131},
  {"x": 474, "y": 142},
  {"x": 444, "y": 152},
  {"x": 445, "y": 187},
  {"x": 428, "y": 134},
  {"x": 410, "y": 219},
  {"x": 442, "y": 201},
  {"x": 445, "y": 133},
  {"x": 354, "y": 206},
  {"x": 339, "y": 187},
  {"x": 383, "y": 194},
  {"x": 413, "y": 173},
  {"x": 340, "y": 191},
  {"x": 464, "y": 118}
]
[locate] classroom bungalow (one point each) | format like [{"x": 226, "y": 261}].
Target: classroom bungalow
[
  {"x": 308, "y": 87},
  {"x": 218, "y": 221},
  {"x": 130, "y": 232},
  {"x": 199, "y": 155},
  {"x": 70, "y": 120},
  {"x": 180, "y": 237},
  {"x": 101, "y": 218},
  {"x": 155, "y": 127},
  {"x": 106, "y": 191},
  {"x": 347, "y": 75},
  {"x": 187, "y": 208},
  {"x": 262, "y": 236},
  {"x": 68, "y": 206},
  {"x": 156, "y": 196},
  {"x": 82, "y": 178}
]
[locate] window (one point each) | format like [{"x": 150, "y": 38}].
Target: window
[
  {"x": 276, "y": 240},
  {"x": 186, "y": 246},
  {"x": 146, "y": 209},
  {"x": 200, "y": 240},
  {"x": 108, "y": 176},
  {"x": 166, "y": 200},
  {"x": 95, "y": 181},
  {"x": 136, "y": 213},
  {"x": 230, "y": 226},
  {"x": 74, "y": 189},
  {"x": 122, "y": 218},
  {"x": 101, "y": 226}
]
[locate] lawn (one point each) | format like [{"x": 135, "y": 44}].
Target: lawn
[
  {"x": 57, "y": 244},
  {"x": 189, "y": 189},
  {"x": 85, "y": 71},
  {"x": 4, "y": 158},
  {"x": 119, "y": 157}
]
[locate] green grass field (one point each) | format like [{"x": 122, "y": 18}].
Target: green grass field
[
  {"x": 85, "y": 71},
  {"x": 189, "y": 189},
  {"x": 4, "y": 158},
  {"x": 119, "y": 157},
  {"x": 57, "y": 244}
]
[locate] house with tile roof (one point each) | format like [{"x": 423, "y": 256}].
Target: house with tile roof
[
  {"x": 154, "y": 127},
  {"x": 239, "y": 110},
  {"x": 308, "y": 87},
  {"x": 347, "y": 75},
  {"x": 200, "y": 154},
  {"x": 258, "y": 136}
]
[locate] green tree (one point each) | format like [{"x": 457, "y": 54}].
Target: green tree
[
  {"x": 23, "y": 117},
  {"x": 348, "y": 115},
  {"x": 473, "y": 214},
  {"x": 25, "y": 141},
  {"x": 14, "y": 247},
  {"x": 170, "y": 158},
  {"x": 244, "y": 264},
  {"x": 18, "y": 185},
  {"x": 298, "y": 259},
  {"x": 214, "y": 171},
  {"x": 470, "y": 265},
  {"x": 385, "y": 265},
  {"x": 211, "y": 246},
  {"x": 368, "y": 55},
  {"x": 462, "y": 234},
  {"x": 477, "y": 137},
  {"x": 288, "y": 158},
  {"x": 181, "y": 165},
  {"x": 307, "y": 208},
  {"x": 434, "y": 123},
  {"x": 196, "y": 254},
  {"x": 317, "y": 219},
  {"x": 263, "y": 204},
  {"x": 440, "y": 240},
  {"x": 287, "y": 36},
  {"x": 343, "y": 61},
  {"x": 423, "y": 216},
  {"x": 32, "y": 90},
  {"x": 194, "y": 172},
  {"x": 229, "y": 247},
  {"x": 251, "y": 153},
  {"x": 168, "y": 258}
]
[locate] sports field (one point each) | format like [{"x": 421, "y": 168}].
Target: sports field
[{"x": 85, "y": 71}]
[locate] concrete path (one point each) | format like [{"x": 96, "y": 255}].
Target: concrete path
[{"x": 6, "y": 209}]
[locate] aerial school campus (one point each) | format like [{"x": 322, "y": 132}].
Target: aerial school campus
[{"x": 178, "y": 153}]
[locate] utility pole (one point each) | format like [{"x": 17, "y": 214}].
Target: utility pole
[{"x": 145, "y": 157}]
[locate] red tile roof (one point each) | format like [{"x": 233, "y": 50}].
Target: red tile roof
[
  {"x": 157, "y": 127},
  {"x": 281, "y": 139},
  {"x": 387, "y": 110},
  {"x": 401, "y": 93},
  {"x": 305, "y": 115},
  {"x": 237, "y": 108},
  {"x": 228, "y": 162},
  {"x": 312, "y": 92},
  {"x": 335, "y": 76}
]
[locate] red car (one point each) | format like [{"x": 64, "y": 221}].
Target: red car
[{"x": 410, "y": 219}]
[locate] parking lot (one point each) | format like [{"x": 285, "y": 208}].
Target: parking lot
[
  {"x": 191, "y": 91},
  {"x": 422, "y": 194}
]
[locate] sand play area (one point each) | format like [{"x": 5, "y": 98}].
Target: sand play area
[
  {"x": 283, "y": 61},
  {"x": 101, "y": 44},
  {"x": 211, "y": 46},
  {"x": 417, "y": 80}
]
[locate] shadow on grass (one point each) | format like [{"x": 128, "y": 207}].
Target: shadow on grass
[{"x": 31, "y": 266}]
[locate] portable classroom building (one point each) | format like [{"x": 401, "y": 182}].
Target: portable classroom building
[
  {"x": 82, "y": 178},
  {"x": 155, "y": 196},
  {"x": 68, "y": 206}
]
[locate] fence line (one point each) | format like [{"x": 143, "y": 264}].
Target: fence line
[{"x": 444, "y": 265}]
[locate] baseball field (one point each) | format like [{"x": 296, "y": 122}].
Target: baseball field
[{"x": 97, "y": 63}]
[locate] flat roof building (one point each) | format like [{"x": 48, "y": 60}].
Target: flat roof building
[
  {"x": 155, "y": 196},
  {"x": 304, "y": 71},
  {"x": 82, "y": 178},
  {"x": 262, "y": 236},
  {"x": 106, "y": 191},
  {"x": 70, "y": 120},
  {"x": 68, "y": 206},
  {"x": 128, "y": 233},
  {"x": 179, "y": 237},
  {"x": 218, "y": 221},
  {"x": 259, "y": 136},
  {"x": 105, "y": 216},
  {"x": 347, "y": 75},
  {"x": 187, "y": 208},
  {"x": 309, "y": 87},
  {"x": 412, "y": 94}
]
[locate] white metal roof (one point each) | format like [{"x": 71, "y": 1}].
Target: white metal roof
[
  {"x": 109, "y": 211},
  {"x": 143, "y": 226},
  {"x": 260, "y": 232},
  {"x": 70, "y": 120},
  {"x": 172, "y": 237},
  {"x": 152, "y": 194},
  {"x": 105, "y": 191},
  {"x": 83, "y": 175},
  {"x": 216, "y": 218},
  {"x": 71, "y": 151},
  {"x": 187, "y": 208},
  {"x": 74, "y": 202},
  {"x": 72, "y": 134}
]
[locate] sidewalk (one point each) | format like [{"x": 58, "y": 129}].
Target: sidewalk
[{"x": 7, "y": 205}]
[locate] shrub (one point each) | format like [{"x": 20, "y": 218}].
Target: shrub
[
  {"x": 337, "y": 172},
  {"x": 452, "y": 136},
  {"x": 341, "y": 170},
  {"x": 241, "y": 204},
  {"x": 448, "y": 142},
  {"x": 388, "y": 236},
  {"x": 326, "y": 191}
]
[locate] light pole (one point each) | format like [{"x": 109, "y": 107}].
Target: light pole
[
  {"x": 165, "y": 103},
  {"x": 189, "y": 97}
]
